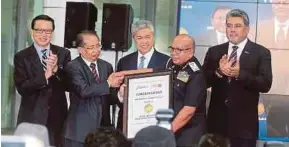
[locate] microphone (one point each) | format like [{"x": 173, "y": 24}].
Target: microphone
[{"x": 164, "y": 118}]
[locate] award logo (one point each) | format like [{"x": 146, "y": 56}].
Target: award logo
[{"x": 148, "y": 108}]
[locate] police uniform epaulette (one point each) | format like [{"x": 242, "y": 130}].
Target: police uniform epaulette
[{"x": 192, "y": 65}]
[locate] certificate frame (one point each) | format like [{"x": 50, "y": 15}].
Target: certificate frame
[{"x": 162, "y": 81}]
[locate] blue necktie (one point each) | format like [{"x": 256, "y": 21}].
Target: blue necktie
[{"x": 141, "y": 64}]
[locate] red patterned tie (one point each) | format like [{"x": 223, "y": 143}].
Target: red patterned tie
[
  {"x": 94, "y": 72},
  {"x": 233, "y": 58}
]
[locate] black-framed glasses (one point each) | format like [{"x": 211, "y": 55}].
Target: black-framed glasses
[
  {"x": 178, "y": 50},
  {"x": 41, "y": 31}
]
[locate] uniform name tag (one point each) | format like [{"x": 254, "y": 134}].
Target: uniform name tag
[{"x": 183, "y": 76}]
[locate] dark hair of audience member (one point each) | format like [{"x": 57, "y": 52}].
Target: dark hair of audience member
[
  {"x": 106, "y": 137},
  {"x": 213, "y": 140}
]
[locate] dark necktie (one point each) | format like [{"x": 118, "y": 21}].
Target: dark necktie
[
  {"x": 233, "y": 56},
  {"x": 94, "y": 72},
  {"x": 44, "y": 57}
]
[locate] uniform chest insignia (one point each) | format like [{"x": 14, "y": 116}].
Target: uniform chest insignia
[
  {"x": 194, "y": 66},
  {"x": 183, "y": 76}
]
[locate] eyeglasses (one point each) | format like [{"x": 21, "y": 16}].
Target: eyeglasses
[
  {"x": 41, "y": 31},
  {"x": 97, "y": 46},
  {"x": 177, "y": 50}
]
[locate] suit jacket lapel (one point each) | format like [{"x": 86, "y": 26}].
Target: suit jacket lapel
[
  {"x": 225, "y": 49},
  {"x": 101, "y": 72},
  {"x": 153, "y": 59},
  {"x": 245, "y": 53},
  {"x": 133, "y": 61},
  {"x": 35, "y": 61},
  {"x": 89, "y": 76},
  {"x": 53, "y": 49}
]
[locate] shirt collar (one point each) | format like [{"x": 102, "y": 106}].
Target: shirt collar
[
  {"x": 88, "y": 62},
  {"x": 38, "y": 48},
  {"x": 240, "y": 45},
  {"x": 147, "y": 55}
]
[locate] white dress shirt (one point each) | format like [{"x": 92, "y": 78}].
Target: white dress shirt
[{"x": 147, "y": 56}]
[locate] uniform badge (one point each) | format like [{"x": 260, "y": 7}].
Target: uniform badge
[
  {"x": 194, "y": 66},
  {"x": 183, "y": 76}
]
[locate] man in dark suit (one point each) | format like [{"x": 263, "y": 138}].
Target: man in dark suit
[
  {"x": 92, "y": 82},
  {"x": 41, "y": 81},
  {"x": 237, "y": 71},
  {"x": 146, "y": 55}
]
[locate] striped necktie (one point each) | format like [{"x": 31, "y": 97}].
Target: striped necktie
[
  {"x": 233, "y": 56},
  {"x": 44, "y": 57},
  {"x": 94, "y": 72}
]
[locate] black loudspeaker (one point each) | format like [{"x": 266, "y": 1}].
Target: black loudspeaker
[
  {"x": 116, "y": 23},
  {"x": 79, "y": 16}
]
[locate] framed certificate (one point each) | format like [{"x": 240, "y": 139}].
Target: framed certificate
[{"x": 144, "y": 95}]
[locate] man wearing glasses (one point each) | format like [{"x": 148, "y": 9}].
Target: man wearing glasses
[
  {"x": 41, "y": 81},
  {"x": 237, "y": 71},
  {"x": 189, "y": 94},
  {"x": 92, "y": 83}
]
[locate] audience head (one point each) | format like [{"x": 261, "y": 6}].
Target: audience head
[
  {"x": 218, "y": 18},
  {"x": 143, "y": 35},
  {"x": 89, "y": 45},
  {"x": 106, "y": 137},
  {"x": 237, "y": 26},
  {"x": 39, "y": 132},
  {"x": 42, "y": 27},
  {"x": 154, "y": 136},
  {"x": 182, "y": 49},
  {"x": 211, "y": 140}
]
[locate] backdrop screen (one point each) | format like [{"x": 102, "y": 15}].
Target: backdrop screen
[{"x": 269, "y": 23}]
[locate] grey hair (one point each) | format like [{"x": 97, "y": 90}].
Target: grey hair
[
  {"x": 141, "y": 24},
  {"x": 239, "y": 13}
]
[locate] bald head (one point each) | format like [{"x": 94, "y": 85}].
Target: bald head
[
  {"x": 184, "y": 41},
  {"x": 182, "y": 49}
]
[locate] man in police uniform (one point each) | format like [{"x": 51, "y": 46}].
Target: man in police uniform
[{"x": 189, "y": 92}]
